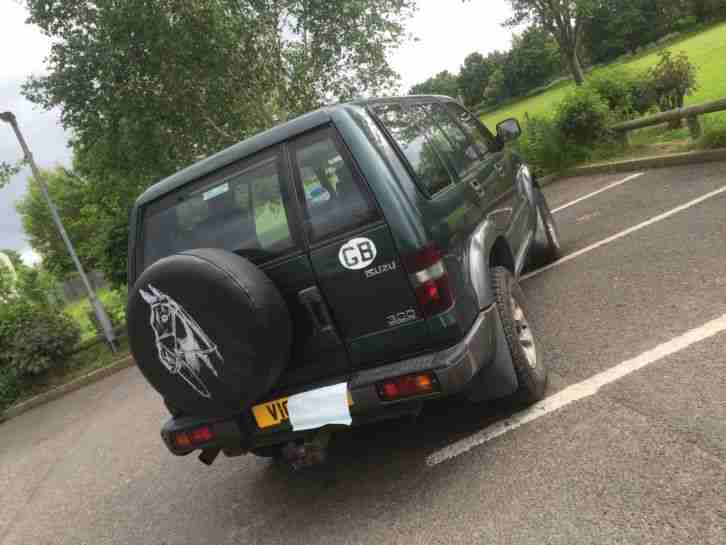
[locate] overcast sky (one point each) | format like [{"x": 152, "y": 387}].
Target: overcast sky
[{"x": 447, "y": 31}]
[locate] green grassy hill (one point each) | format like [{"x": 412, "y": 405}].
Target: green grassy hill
[{"x": 707, "y": 50}]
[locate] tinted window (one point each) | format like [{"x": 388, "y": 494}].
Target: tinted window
[
  {"x": 414, "y": 132},
  {"x": 334, "y": 197},
  {"x": 451, "y": 140},
  {"x": 482, "y": 138},
  {"x": 244, "y": 212}
]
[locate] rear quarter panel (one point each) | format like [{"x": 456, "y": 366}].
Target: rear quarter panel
[{"x": 415, "y": 220}]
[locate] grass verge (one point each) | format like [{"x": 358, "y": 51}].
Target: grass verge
[{"x": 706, "y": 49}]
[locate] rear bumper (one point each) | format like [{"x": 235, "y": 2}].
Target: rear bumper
[
  {"x": 479, "y": 367},
  {"x": 456, "y": 368}
]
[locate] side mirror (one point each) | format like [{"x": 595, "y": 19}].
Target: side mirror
[{"x": 508, "y": 130}]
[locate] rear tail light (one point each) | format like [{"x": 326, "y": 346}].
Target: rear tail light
[
  {"x": 430, "y": 281},
  {"x": 193, "y": 438},
  {"x": 407, "y": 386}
]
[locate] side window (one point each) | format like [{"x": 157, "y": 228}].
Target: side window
[
  {"x": 480, "y": 135},
  {"x": 242, "y": 212},
  {"x": 334, "y": 197},
  {"x": 273, "y": 232},
  {"x": 415, "y": 134},
  {"x": 458, "y": 148}
]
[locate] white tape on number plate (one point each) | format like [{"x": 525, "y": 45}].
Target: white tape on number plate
[{"x": 318, "y": 408}]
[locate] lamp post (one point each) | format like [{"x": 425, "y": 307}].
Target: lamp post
[{"x": 101, "y": 315}]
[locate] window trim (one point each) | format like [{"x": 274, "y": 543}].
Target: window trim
[{"x": 320, "y": 133}]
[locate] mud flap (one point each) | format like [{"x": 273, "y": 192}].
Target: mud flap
[{"x": 497, "y": 379}]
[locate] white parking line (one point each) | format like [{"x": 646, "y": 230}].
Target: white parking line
[
  {"x": 601, "y": 190},
  {"x": 626, "y": 232},
  {"x": 579, "y": 391}
]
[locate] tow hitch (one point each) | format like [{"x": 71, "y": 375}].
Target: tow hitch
[{"x": 309, "y": 453}]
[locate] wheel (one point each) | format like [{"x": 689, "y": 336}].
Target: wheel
[
  {"x": 546, "y": 247},
  {"x": 528, "y": 365}
]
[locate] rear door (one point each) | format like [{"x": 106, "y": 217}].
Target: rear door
[{"x": 360, "y": 277}]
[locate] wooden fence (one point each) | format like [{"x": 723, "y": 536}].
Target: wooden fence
[{"x": 691, "y": 114}]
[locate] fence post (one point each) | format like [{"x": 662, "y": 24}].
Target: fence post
[
  {"x": 623, "y": 138},
  {"x": 694, "y": 126}
]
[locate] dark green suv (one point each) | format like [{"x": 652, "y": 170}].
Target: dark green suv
[{"x": 336, "y": 270}]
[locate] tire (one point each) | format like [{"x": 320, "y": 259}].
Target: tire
[
  {"x": 528, "y": 366},
  {"x": 546, "y": 247},
  {"x": 209, "y": 331}
]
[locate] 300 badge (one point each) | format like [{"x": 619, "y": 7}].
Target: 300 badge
[{"x": 357, "y": 253}]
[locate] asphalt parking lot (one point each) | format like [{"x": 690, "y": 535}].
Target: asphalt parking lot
[{"x": 629, "y": 447}]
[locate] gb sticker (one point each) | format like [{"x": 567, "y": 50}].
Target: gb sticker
[{"x": 357, "y": 253}]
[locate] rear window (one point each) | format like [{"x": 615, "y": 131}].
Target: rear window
[{"x": 243, "y": 213}]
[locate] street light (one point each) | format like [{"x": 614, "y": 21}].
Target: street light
[{"x": 101, "y": 315}]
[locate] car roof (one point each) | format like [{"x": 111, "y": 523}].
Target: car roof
[{"x": 263, "y": 140}]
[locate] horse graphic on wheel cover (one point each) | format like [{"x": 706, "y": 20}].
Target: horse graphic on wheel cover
[{"x": 182, "y": 344}]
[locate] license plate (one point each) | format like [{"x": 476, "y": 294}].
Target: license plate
[{"x": 274, "y": 413}]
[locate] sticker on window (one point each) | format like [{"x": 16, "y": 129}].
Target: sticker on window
[
  {"x": 216, "y": 191},
  {"x": 357, "y": 253}
]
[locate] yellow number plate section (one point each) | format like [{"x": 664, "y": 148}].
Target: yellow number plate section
[
  {"x": 274, "y": 413},
  {"x": 271, "y": 413}
]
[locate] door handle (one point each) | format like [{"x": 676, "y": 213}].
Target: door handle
[{"x": 318, "y": 311}]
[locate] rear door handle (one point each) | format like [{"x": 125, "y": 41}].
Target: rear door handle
[{"x": 318, "y": 311}]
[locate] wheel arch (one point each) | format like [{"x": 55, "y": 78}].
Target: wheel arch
[{"x": 488, "y": 248}]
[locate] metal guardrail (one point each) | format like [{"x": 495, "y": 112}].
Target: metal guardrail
[{"x": 691, "y": 114}]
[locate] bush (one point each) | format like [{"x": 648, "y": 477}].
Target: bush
[
  {"x": 613, "y": 86},
  {"x": 642, "y": 98},
  {"x": 34, "y": 337},
  {"x": 686, "y": 23},
  {"x": 546, "y": 148},
  {"x": 10, "y": 387},
  {"x": 627, "y": 95},
  {"x": 583, "y": 117},
  {"x": 34, "y": 334},
  {"x": 714, "y": 134},
  {"x": 672, "y": 79},
  {"x": 114, "y": 301}
]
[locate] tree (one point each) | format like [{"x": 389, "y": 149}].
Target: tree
[
  {"x": 619, "y": 26},
  {"x": 80, "y": 218},
  {"x": 564, "y": 19},
  {"x": 473, "y": 78},
  {"x": 7, "y": 171},
  {"x": 706, "y": 10},
  {"x": 533, "y": 60},
  {"x": 443, "y": 83},
  {"x": 149, "y": 86},
  {"x": 496, "y": 89},
  {"x": 15, "y": 257}
]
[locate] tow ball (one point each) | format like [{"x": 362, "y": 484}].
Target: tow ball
[{"x": 309, "y": 453}]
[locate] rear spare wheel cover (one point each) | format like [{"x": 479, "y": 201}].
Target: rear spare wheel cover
[{"x": 209, "y": 331}]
